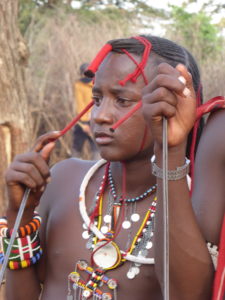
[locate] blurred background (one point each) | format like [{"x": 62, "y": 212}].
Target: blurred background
[{"x": 43, "y": 44}]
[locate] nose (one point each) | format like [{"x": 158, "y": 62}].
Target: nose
[{"x": 103, "y": 113}]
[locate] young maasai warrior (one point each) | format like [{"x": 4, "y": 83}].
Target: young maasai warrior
[{"x": 100, "y": 236}]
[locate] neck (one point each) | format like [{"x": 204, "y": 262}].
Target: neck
[{"x": 138, "y": 176}]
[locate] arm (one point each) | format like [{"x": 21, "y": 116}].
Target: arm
[
  {"x": 191, "y": 270},
  {"x": 27, "y": 170}
]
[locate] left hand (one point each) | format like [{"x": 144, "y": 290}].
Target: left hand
[{"x": 164, "y": 97}]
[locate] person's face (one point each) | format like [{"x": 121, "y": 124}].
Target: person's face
[{"x": 112, "y": 102}]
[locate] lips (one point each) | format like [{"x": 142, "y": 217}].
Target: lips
[{"x": 103, "y": 138}]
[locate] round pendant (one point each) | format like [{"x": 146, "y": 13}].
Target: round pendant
[
  {"x": 106, "y": 296},
  {"x": 86, "y": 294},
  {"x": 107, "y": 256},
  {"x": 131, "y": 274},
  {"x": 136, "y": 270},
  {"x": 107, "y": 219},
  {"x": 104, "y": 229},
  {"x": 149, "y": 245},
  {"x": 112, "y": 284},
  {"x": 135, "y": 217},
  {"x": 126, "y": 224},
  {"x": 85, "y": 235},
  {"x": 84, "y": 226}
]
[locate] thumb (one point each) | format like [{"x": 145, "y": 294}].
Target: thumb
[{"x": 47, "y": 149}]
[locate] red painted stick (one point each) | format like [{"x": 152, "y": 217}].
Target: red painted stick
[
  {"x": 76, "y": 119},
  {"x": 127, "y": 116}
]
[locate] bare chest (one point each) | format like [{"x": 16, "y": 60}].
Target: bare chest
[{"x": 65, "y": 247}]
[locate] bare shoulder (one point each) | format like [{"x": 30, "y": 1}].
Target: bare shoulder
[
  {"x": 209, "y": 185},
  {"x": 67, "y": 176},
  {"x": 71, "y": 167},
  {"x": 214, "y": 133}
]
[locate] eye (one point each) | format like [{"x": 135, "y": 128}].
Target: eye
[
  {"x": 97, "y": 100},
  {"x": 124, "y": 102}
]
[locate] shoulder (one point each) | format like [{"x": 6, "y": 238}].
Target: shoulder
[
  {"x": 209, "y": 177},
  {"x": 214, "y": 130},
  {"x": 66, "y": 178},
  {"x": 71, "y": 166}
]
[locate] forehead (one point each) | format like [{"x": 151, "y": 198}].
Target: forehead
[{"x": 117, "y": 66}]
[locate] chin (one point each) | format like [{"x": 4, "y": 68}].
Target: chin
[{"x": 111, "y": 155}]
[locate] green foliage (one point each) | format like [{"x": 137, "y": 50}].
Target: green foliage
[
  {"x": 196, "y": 30},
  {"x": 26, "y": 10}
]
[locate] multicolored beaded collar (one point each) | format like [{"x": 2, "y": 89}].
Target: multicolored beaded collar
[{"x": 106, "y": 254}]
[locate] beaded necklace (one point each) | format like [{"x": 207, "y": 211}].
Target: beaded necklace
[
  {"x": 128, "y": 200},
  {"x": 106, "y": 254}
]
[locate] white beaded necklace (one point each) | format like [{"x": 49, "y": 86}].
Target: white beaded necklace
[{"x": 91, "y": 226}]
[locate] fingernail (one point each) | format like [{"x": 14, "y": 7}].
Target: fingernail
[
  {"x": 186, "y": 92},
  {"x": 42, "y": 188},
  {"x": 49, "y": 179},
  {"x": 182, "y": 79},
  {"x": 56, "y": 132}
]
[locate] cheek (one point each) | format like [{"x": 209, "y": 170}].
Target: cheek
[{"x": 136, "y": 130}]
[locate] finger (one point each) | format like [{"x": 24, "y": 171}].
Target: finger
[
  {"x": 31, "y": 171},
  {"x": 37, "y": 160},
  {"x": 188, "y": 79},
  {"x": 165, "y": 68},
  {"x": 166, "y": 81},
  {"x": 45, "y": 139},
  {"x": 46, "y": 151},
  {"x": 160, "y": 94},
  {"x": 17, "y": 177},
  {"x": 159, "y": 110}
]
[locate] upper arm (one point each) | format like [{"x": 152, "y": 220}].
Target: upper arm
[{"x": 209, "y": 178}]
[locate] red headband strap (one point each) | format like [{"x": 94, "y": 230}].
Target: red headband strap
[
  {"x": 94, "y": 65},
  {"x": 138, "y": 66},
  {"x": 140, "y": 69}
]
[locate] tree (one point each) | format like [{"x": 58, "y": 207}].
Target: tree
[
  {"x": 14, "y": 115},
  {"x": 196, "y": 31}
]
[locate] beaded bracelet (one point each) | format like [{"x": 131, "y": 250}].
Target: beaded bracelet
[
  {"x": 23, "y": 248},
  {"x": 15, "y": 265},
  {"x": 23, "y": 231}
]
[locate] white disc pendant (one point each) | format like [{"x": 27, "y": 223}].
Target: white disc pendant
[
  {"x": 135, "y": 217},
  {"x": 85, "y": 226},
  {"x": 126, "y": 224},
  {"x": 131, "y": 274},
  {"x": 149, "y": 245},
  {"x": 85, "y": 235},
  {"x": 136, "y": 270},
  {"x": 104, "y": 229},
  {"x": 106, "y": 256},
  {"x": 107, "y": 219}
]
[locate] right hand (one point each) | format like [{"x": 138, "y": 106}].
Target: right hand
[
  {"x": 163, "y": 97},
  {"x": 30, "y": 170}
]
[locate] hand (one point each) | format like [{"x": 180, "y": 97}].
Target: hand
[
  {"x": 30, "y": 170},
  {"x": 164, "y": 97}
]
